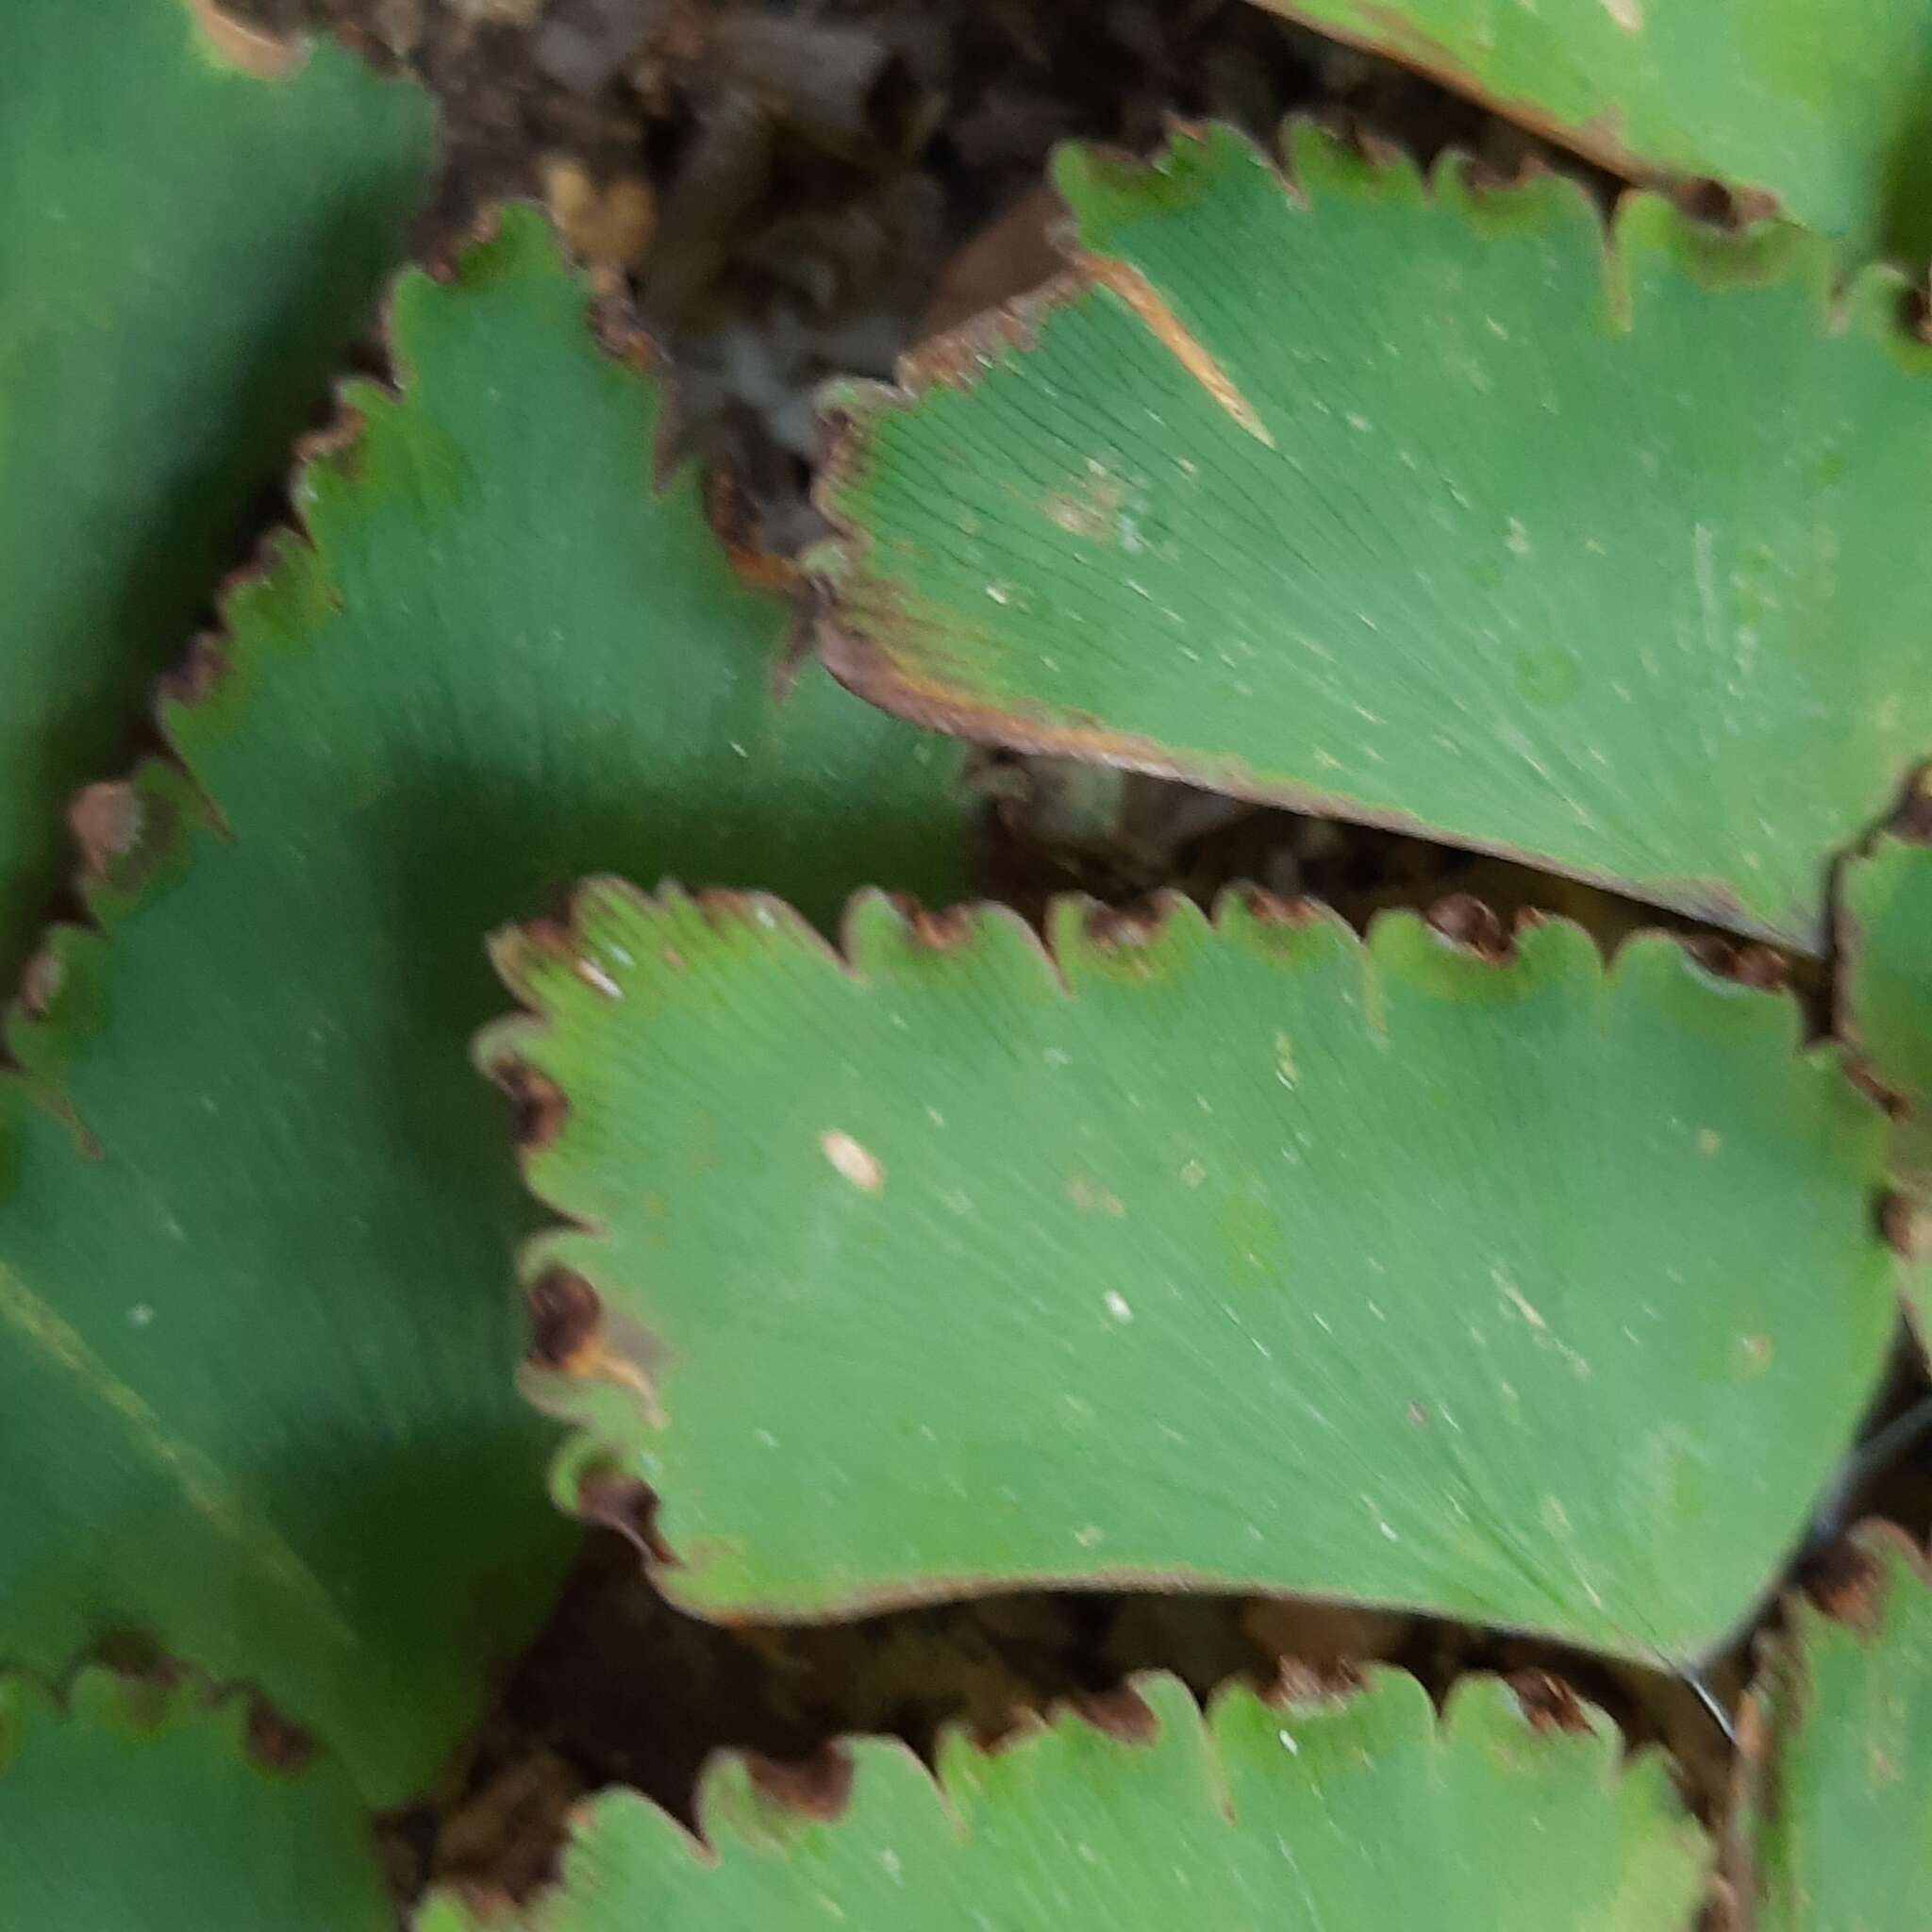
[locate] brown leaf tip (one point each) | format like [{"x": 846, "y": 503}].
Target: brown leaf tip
[
  {"x": 953, "y": 360},
  {"x": 1848, "y": 1584},
  {"x": 945, "y": 931},
  {"x": 40, "y": 982},
  {"x": 539, "y": 1106},
  {"x": 565, "y": 1314},
  {"x": 1550, "y": 1704},
  {"x": 1126, "y": 928},
  {"x": 1300, "y": 1684},
  {"x": 629, "y": 1505},
  {"x": 106, "y": 821},
  {"x": 1466, "y": 922},
  {"x": 247, "y": 48},
  {"x": 733, "y": 515},
  {"x": 1913, "y": 822},
  {"x": 1906, "y": 1223},
  {"x": 1744, "y": 964},
  {"x": 1270, "y": 908},
  {"x": 196, "y": 680},
  {"x": 819, "y": 1787},
  {"x": 1120, "y": 1713},
  {"x": 273, "y": 1743}
]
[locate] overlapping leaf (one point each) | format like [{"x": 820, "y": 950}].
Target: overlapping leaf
[
  {"x": 1244, "y": 1257},
  {"x": 1364, "y": 1812},
  {"x": 1419, "y": 506},
  {"x": 1842, "y": 1814},
  {"x": 255, "y": 1392},
  {"x": 1824, "y": 105},
  {"x": 148, "y": 1807},
  {"x": 195, "y": 225},
  {"x": 1887, "y": 934}
]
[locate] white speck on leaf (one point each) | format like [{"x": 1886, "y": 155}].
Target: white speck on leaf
[
  {"x": 858, "y": 1165},
  {"x": 1284, "y": 1060},
  {"x": 594, "y": 975},
  {"x": 1117, "y": 1306}
]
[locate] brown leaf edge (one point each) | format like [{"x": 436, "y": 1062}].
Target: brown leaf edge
[
  {"x": 748, "y": 1805},
  {"x": 1850, "y": 1593},
  {"x": 139, "y": 835},
  {"x": 1392, "y": 36},
  {"x": 873, "y": 646},
  {"x": 158, "y": 1696},
  {"x": 583, "y": 1353},
  {"x": 1910, "y": 826},
  {"x": 135, "y": 836},
  {"x": 246, "y": 47}
]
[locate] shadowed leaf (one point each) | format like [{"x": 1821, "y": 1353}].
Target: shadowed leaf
[
  {"x": 1886, "y": 936},
  {"x": 150, "y": 1808},
  {"x": 260, "y": 1334},
  {"x": 190, "y": 248}
]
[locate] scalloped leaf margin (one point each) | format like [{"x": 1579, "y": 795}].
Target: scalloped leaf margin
[
  {"x": 254, "y": 1217},
  {"x": 197, "y": 224},
  {"x": 149, "y": 1803},
  {"x": 1826, "y": 108},
  {"x": 1364, "y": 1811},
  {"x": 1435, "y": 512},
  {"x": 1580, "y": 1379},
  {"x": 1840, "y": 1793}
]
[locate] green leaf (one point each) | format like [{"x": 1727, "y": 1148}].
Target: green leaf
[
  {"x": 148, "y": 1807},
  {"x": 195, "y": 227},
  {"x": 260, "y": 1334},
  {"x": 1248, "y": 1256},
  {"x": 1842, "y": 1808},
  {"x": 1823, "y": 104},
  {"x": 1885, "y": 937},
  {"x": 1366, "y": 1812},
  {"x": 1417, "y": 507}
]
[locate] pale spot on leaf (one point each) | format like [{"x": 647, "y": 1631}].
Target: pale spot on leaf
[{"x": 857, "y": 1164}]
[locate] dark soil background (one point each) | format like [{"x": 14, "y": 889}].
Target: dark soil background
[{"x": 788, "y": 191}]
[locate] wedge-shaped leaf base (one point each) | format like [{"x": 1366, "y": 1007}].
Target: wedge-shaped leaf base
[
  {"x": 1842, "y": 1808},
  {"x": 1241, "y": 1256},
  {"x": 257, "y": 1335},
  {"x": 1293, "y": 1816},
  {"x": 151, "y": 1807},
  {"x": 1423, "y": 506}
]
